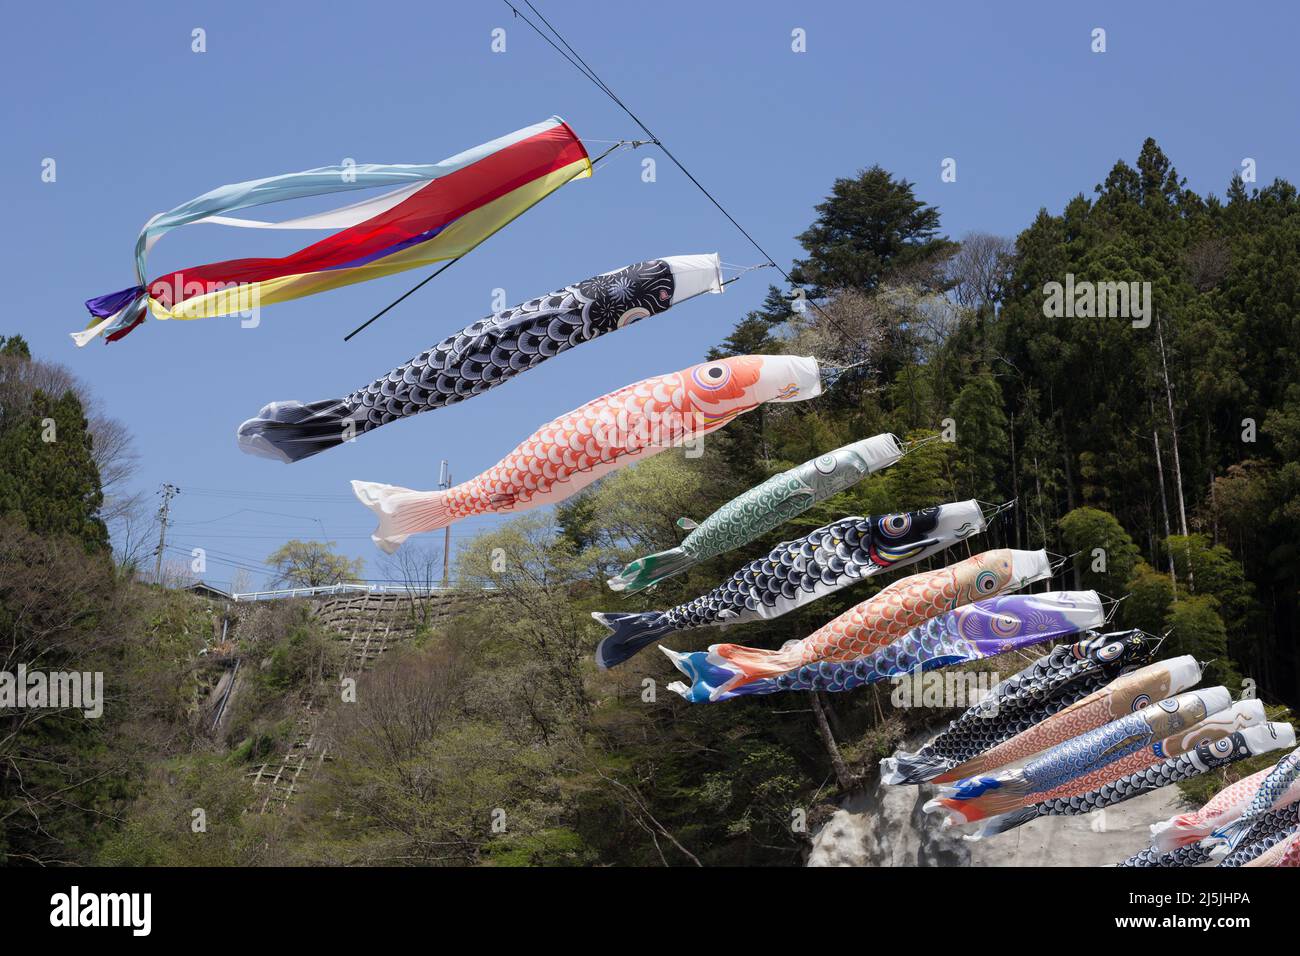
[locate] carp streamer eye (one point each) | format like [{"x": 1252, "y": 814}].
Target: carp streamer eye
[
  {"x": 895, "y": 526},
  {"x": 825, "y": 464},
  {"x": 1110, "y": 652},
  {"x": 986, "y": 582},
  {"x": 1222, "y": 746},
  {"x": 632, "y": 315},
  {"x": 1140, "y": 701},
  {"x": 1005, "y": 625},
  {"x": 712, "y": 376}
]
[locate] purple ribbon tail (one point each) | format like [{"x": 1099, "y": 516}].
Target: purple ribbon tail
[{"x": 102, "y": 306}]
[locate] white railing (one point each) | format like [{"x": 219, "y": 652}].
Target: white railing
[{"x": 343, "y": 588}]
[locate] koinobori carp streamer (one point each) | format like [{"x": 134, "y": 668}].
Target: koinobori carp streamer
[
  {"x": 1265, "y": 845},
  {"x": 1208, "y": 756},
  {"x": 1009, "y": 622},
  {"x": 483, "y": 355},
  {"x": 1267, "y": 796},
  {"x": 1286, "y": 852},
  {"x": 567, "y": 454},
  {"x": 1056, "y": 680},
  {"x": 797, "y": 572},
  {"x": 986, "y": 628},
  {"x": 1263, "y": 833},
  {"x": 1193, "y": 854},
  {"x": 977, "y": 797},
  {"x": 1125, "y": 695},
  {"x": 762, "y": 508},
  {"x": 1220, "y": 810},
  {"x": 437, "y": 212},
  {"x": 890, "y": 614},
  {"x": 1213, "y": 729}
]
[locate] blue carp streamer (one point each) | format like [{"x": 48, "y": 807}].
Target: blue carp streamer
[
  {"x": 976, "y": 797},
  {"x": 1208, "y": 755}
]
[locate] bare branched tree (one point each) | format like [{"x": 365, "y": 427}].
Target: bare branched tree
[
  {"x": 980, "y": 269},
  {"x": 419, "y": 569}
]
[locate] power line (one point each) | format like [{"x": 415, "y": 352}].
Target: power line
[{"x": 585, "y": 69}]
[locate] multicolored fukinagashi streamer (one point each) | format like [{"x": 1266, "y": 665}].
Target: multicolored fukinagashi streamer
[
  {"x": 483, "y": 355},
  {"x": 977, "y": 797},
  {"x": 796, "y": 573},
  {"x": 438, "y": 212},
  {"x": 1246, "y": 743},
  {"x": 890, "y": 614},
  {"x": 762, "y": 508},
  {"x": 567, "y": 454},
  {"x": 1065, "y": 674},
  {"x": 986, "y": 628}
]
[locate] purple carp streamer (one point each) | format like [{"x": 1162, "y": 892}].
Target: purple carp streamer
[
  {"x": 976, "y": 797},
  {"x": 1244, "y": 743},
  {"x": 798, "y": 572},
  {"x": 1067, "y": 673},
  {"x": 483, "y": 355},
  {"x": 889, "y": 614},
  {"x": 973, "y": 632},
  {"x": 1271, "y": 792}
]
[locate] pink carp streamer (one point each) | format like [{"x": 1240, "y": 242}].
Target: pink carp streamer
[
  {"x": 890, "y": 614},
  {"x": 1124, "y": 695},
  {"x": 1223, "y": 808},
  {"x": 567, "y": 454}
]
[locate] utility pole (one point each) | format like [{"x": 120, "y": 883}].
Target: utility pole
[
  {"x": 444, "y": 482},
  {"x": 168, "y": 492}
]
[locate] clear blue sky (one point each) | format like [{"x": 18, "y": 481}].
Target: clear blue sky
[{"x": 138, "y": 123}]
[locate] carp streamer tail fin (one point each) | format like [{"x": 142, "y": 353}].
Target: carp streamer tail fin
[
  {"x": 402, "y": 512},
  {"x": 292, "y": 431},
  {"x": 1169, "y": 835},
  {"x": 629, "y": 634},
  {"x": 1003, "y": 823},
  {"x": 653, "y": 568},
  {"x": 754, "y": 663},
  {"x": 975, "y": 798},
  {"x": 919, "y": 767}
]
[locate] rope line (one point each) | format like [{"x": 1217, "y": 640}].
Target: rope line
[{"x": 585, "y": 69}]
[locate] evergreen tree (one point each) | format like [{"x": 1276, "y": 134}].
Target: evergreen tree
[
  {"x": 48, "y": 475},
  {"x": 869, "y": 229}
]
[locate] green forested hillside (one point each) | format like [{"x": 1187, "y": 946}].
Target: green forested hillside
[{"x": 1172, "y": 444}]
